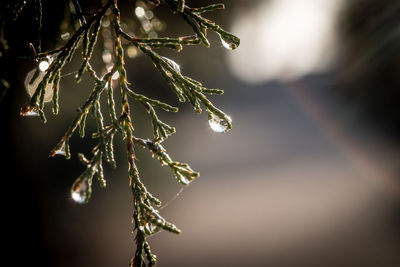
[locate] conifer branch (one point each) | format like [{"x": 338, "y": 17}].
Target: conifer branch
[{"x": 146, "y": 218}]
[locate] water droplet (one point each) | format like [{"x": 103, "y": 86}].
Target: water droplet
[
  {"x": 173, "y": 64},
  {"x": 32, "y": 80},
  {"x": 228, "y": 44},
  {"x": 61, "y": 151},
  {"x": 217, "y": 124},
  {"x": 79, "y": 191},
  {"x": 33, "y": 112},
  {"x": 115, "y": 75},
  {"x": 182, "y": 179},
  {"x": 29, "y": 110},
  {"x": 149, "y": 228}
]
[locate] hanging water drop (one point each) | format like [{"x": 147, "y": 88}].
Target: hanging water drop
[
  {"x": 61, "y": 150},
  {"x": 32, "y": 112},
  {"x": 173, "y": 64},
  {"x": 227, "y": 43},
  {"x": 29, "y": 110},
  {"x": 182, "y": 179},
  {"x": 151, "y": 228},
  {"x": 79, "y": 191},
  {"x": 218, "y": 124}
]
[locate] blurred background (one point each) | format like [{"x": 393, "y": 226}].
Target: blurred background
[{"x": 308, "y": 176}]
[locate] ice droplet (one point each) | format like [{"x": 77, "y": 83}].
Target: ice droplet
[
  {"x": 79, "y": 191},
  {"x": 173, "y": 64},
  {"x": 228, "y": 44},
  {"x": 218, "y": 124}
]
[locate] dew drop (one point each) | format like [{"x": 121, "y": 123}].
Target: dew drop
[
  {"x": 61, "y": 151},
  {"x": 228, "y": 44},
  {"x": 182, "y": 179},
  {"x": 217, "y": 124},
  {"x": 173, "y": 64},
  {"x": 33, "y": 112},
  {"x": 149, "y": 228},
  {"x": 29, "y": 110},
  {"x": 79, "y": 191},
  {"x": 115, "y": 75}
]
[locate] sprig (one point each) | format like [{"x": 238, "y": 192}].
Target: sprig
[{"x": 146, "y": 217}]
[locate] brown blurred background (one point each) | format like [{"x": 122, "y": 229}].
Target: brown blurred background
[{"x": 308, "y": 176}]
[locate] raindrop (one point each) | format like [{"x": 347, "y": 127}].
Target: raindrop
[
  {"x": 79, "y": 191},
  {"x": 228, "y": 44},
  {"x": 32, "y": 112},
  {"x": 29, "y": 110},
  {"x": 182, "y": 179},
  {"x": 61, "y": 151},
  {"x": 115, "y": 75},
  {"x": 151, "y": 227},
  {"x": 218, "y": 124},
  {"x": 173, "y": 64}
]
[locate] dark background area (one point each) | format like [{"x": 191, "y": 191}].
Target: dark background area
[{"x": 308, "y": 176}]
